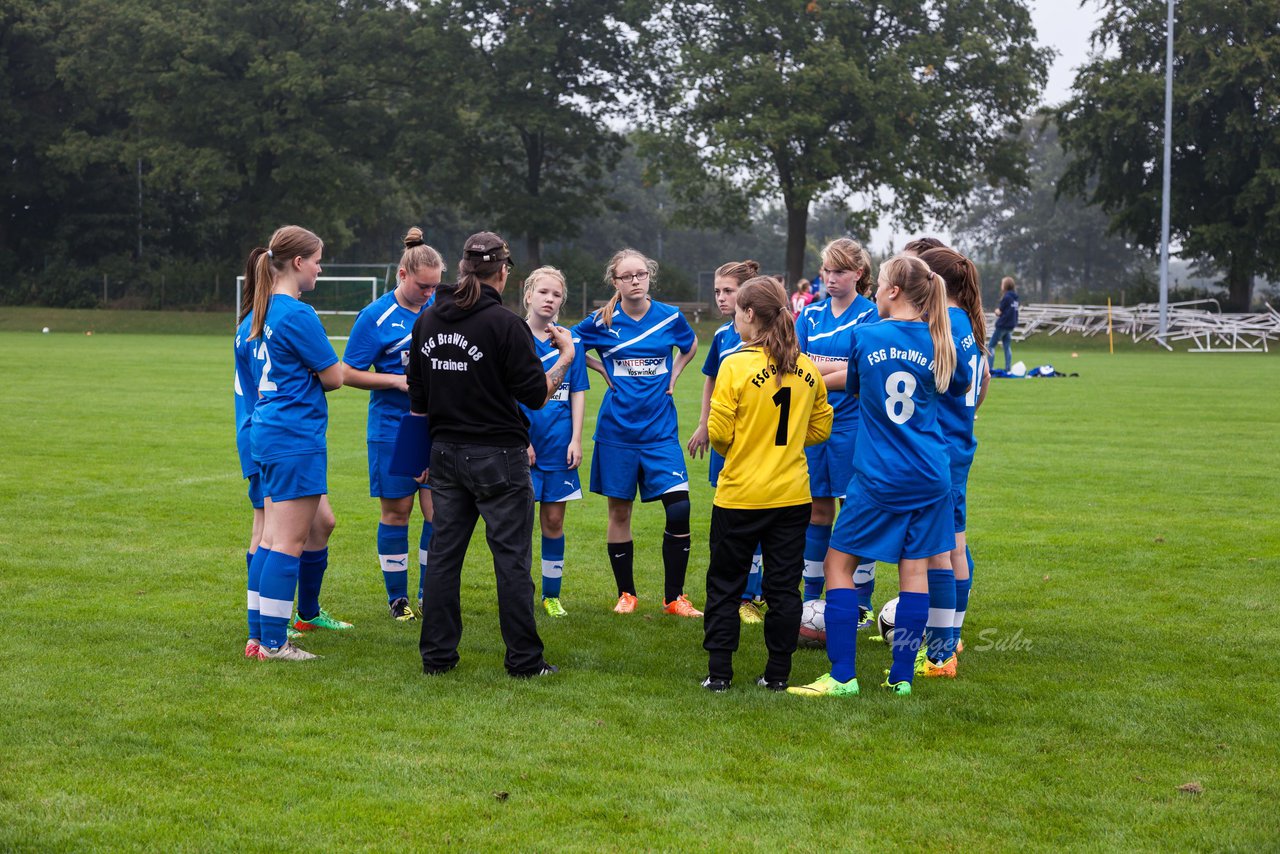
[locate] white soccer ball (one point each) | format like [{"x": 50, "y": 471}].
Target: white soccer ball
[
  {"x": 813, "y": 624},
  {"x": 45, "y": 330},
  {"x": 884, "y": 622}
]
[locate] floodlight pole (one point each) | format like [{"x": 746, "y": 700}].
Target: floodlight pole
[{"x": 1168, "y": 158}]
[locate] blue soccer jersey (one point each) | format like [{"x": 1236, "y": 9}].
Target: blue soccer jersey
[
  {"x": 379, "y": 341},
  {"x": 637, "y": 410},
  {"x": 826, "y": 338},
  {"x": 291, "y": 415},
  {"x": 725, "y": 341},
  {"x": 900, "y": 459},
  {"x": 246, "y": 395},
  {"x": 551, "y": 427},
  {"x": 956, "y": 413}
]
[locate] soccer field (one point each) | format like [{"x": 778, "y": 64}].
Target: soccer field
[{"x": 1117, "y": 690}]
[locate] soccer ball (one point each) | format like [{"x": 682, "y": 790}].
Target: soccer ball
[
  {"x": 813, "y": 624},
  {"x": 888, "y": 613},
  {"x": 45, "y": 330}
]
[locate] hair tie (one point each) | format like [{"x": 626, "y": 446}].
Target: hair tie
[{"x": 271, "y": 254}]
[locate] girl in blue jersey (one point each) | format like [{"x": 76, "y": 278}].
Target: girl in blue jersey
[
  {"x": 825, "y": 332},
  {"x": 637, "y": 444},
  {"x": 555, "y": 430},
  {"x": 246, "y": 396},
  {"x": 728, "y": 279},
  {"x": 952, "y": 579},
  {"x": 901, "y": 481},
  {"x": 293, "y": 366},
  {"x": 376, "y": 356}
]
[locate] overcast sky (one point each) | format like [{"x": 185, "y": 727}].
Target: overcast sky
[{"x": 1065, "y": 26}]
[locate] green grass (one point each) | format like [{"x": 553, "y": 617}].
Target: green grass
[{"x": 1123, "y": 619}]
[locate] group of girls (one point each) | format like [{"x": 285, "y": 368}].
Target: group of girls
[{"x": 856, "y": 404}]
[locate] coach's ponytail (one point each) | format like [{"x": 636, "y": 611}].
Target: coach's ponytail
[
  {"x": 605, "y": 315},
  {"x": 264, "y": 265},
  {"x": 963, "y": 286},
  {"x": 767, "y": 299}
]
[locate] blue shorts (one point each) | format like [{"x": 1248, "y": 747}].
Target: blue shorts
[
  {"x": 959, "y": 496},
  {"x": 831, "y": 465},
  {"x": 287, "y": 478},
  {"x": 617, "y": 471},
  {"x": 384, "y": 484},
  {"x": 255, "y": 490},
  {"x": 716, "y": 465},
  {"x": 869, "y": 533},
  {"x": 552, "y": 486}
]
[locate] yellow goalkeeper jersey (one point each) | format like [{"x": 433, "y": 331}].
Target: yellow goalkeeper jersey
[{"x": 762, "y": 429}]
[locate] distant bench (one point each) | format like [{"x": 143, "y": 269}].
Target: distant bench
[{"x": 689, "y": 308}]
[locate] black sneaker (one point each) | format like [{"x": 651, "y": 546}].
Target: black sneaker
[
  {"x": 772, "y": 684},
  {"x": 716, "y": 686},
  {"x": 401, "y": 612},
  {"x": 544, "y": 670}
]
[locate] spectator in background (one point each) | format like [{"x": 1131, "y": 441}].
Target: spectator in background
[
  {"x": 801, "y": 297},
  {"x": 1006, "y": 321}
]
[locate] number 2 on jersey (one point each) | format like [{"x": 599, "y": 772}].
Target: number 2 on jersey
[
  {"x": 265, "y": 384},
  {"x": 898, "y": 404},
  {"x": 782, "y": 400}
]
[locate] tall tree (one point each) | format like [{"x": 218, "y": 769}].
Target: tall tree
[
  {"x": 1050, "y": 241},
  {"x": 899, "y": 101},
  {"x": 1225, "y": 176},
  {"x": 542, "y": 80}
]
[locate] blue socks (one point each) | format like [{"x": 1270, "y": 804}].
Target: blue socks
[
  {"x": 552, "y": 566},
  {"x": 908, "y": 633},
  {"x": 755, "y": 578},
  {"x": 962, "y": 597},
  {"x": 424, "y": 543},
  {"x": 311, "y": 567},
  {"x": 939, "y": 628},
  {"x": 842, "y": 633},
  {"x": 255, "y": 561},
  {"x": 864, "y": 583},
  {"x": 393, "y": 555},
  {"x": 275, "y": 596},
  {"x": 816, "y": 541}
]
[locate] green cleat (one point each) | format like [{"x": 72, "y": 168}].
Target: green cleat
[
  {"x": 553, "y": 607},
  {"x": 866, "y": 618},
  {"x": 323, "y": 620},
  {"x": 902, "y": 689},
  {"x": 825, "y": 686}
]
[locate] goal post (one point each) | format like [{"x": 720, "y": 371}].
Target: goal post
[{"x": 335, "y": 295}]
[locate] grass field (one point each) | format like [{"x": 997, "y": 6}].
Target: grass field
[{"x": 1118, "y": 690}]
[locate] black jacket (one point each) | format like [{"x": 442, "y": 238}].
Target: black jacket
[{"x": 468, "y": 368}]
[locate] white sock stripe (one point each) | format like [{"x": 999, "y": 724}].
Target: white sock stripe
[
  {"x": 422, "y": 557},
  {"x": 394, "y": 563},
  {"x": 813, "y": 569},
  {"x": 958, "y": 622},
  {"x": 253, "y": 600},
  {"x": 940, "y": 617},
  {"x": 865, "y": 573},
  {"x": 279, "y": 608},
  {"x": 553, "y": 569}
]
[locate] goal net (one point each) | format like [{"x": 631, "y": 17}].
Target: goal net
[{"x": 337, "y": 296}]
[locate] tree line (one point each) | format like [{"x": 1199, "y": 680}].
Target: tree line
[{"x": 151, "y": 143}]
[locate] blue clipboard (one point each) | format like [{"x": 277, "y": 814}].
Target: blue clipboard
[{"x": 412, "y": 453}]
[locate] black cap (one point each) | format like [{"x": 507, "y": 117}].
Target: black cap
[{"x": 486, "y": 247}]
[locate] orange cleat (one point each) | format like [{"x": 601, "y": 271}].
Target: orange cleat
[
  {"x": 946, "y": 669},
  {"x": 626, "y": 604},
  {"x": 681, "y": 607}
]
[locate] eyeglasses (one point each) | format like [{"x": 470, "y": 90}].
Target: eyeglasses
[{"x": 642, "y": 276}]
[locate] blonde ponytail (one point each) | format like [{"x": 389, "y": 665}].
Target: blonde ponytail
[{"x": 944, "y": 348}]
